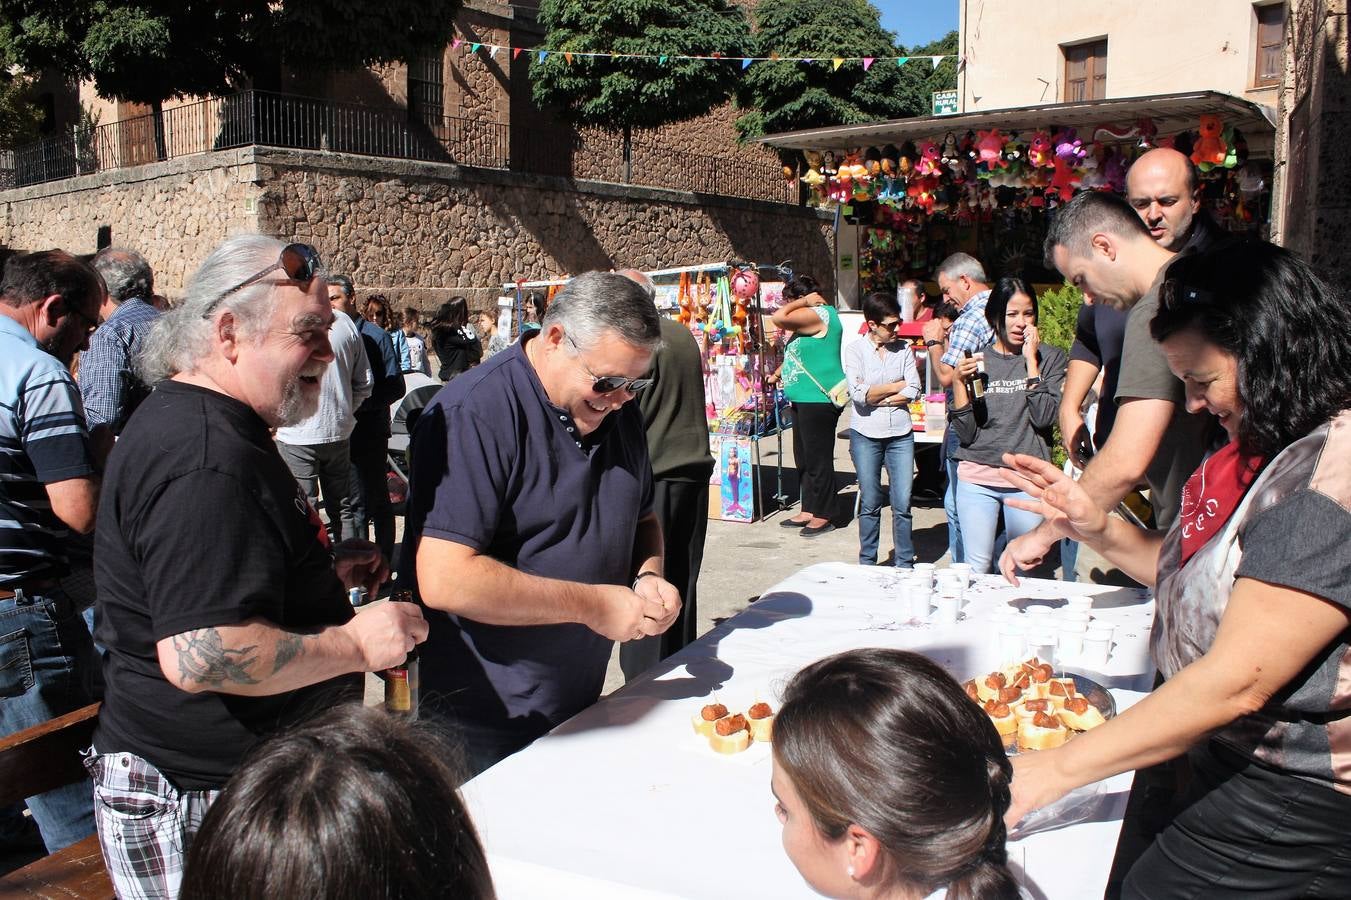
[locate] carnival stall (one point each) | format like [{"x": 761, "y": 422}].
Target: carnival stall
[{"x": 909, "y": 192}]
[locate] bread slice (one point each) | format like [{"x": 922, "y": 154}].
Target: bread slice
[
  {"x": 1041, "y": 732},
  {"x": 730, "y": 735},
  {"x": 1005, "y": 722},
  {"x": 760, "y": 721},
  {"x": 707, "y": 718},
  {"x": 1079, "y": 714}
]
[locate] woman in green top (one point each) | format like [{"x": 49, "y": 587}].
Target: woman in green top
[{"x": 811, "y": 369}]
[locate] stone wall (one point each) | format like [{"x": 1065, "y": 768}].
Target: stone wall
[
  {"x": 419, "y": 232},
  {"x": 1314, "y": 185}
]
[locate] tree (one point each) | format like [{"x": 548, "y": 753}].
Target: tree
[
  {"x": 19, "y": 117},
  {"x": 646, "y": 92},
  {"x": 148, "y": 51},
  {"x": 788, "y": 95},
  {"x": 919, "y": 79}
]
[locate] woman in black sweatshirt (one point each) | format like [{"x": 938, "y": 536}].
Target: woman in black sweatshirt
[
  {"x": 453, "y": 341},
  {"x": 1020, "y": 405}
]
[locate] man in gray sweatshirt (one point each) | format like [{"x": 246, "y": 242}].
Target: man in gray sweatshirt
[{"x": 317, "y": 449}]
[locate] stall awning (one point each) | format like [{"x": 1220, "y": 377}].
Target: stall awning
[{"x": 1170, "y": 113}]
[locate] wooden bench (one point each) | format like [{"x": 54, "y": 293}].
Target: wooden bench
[{"x": 37, "y": 760}]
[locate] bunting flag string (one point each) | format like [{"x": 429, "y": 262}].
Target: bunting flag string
[{"x": 745, "y": 62}]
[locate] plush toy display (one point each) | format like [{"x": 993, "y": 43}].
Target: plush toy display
[
  {"x": 1209, "y": 149},
  {"x": 928, "y": 159},
  {"x": 950, "y": 151},
  {"x": 1068, "y": 147},
  {"x": 991, "y": 146}
]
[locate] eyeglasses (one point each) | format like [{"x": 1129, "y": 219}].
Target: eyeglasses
[
  {"x": 608, "y": 384},
  {"x": 300, "y": 262},
  {"x": 889, "y": 326},
  {"x": 89, "y": 324}
]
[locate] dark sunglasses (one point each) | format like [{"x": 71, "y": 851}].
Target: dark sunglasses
[
  {"x": 889, "y": 326},
  {"x": 300, "y": 262},
  {"x": 608, "y": 384}
]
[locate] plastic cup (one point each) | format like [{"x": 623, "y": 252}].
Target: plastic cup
[
  {"x": 1012, "y": 639},
  {"x": 1042, "y": 643},
  {"x": 1078, "y": 604},
  {"x": 1098, "y": 644},
  {"x": 964, "y": 570},
  {"x": 919, "y": 599},
  {"x": 946, "y": 608},
  {"x": 924, "y": 571},
  {"x": 1080, "y": 620},
  {"x": 950, "y": 585},
  {"x": 1039, "y": 613},
  {"x": 1071, "y": 642}
]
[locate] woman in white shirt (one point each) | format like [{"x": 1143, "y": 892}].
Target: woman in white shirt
[{"x": 883, "y": 379}]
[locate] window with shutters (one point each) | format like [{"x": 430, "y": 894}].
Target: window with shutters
[
  {"x": 1270, "y": 44},
  {"x": 1085, "y": 71},
  {"x": 426, "y": 89}
]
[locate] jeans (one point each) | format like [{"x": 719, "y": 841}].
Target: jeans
[
  {"x": 370, "y": 487},
  {"x": 326, "y": 467},
  {"x": 956, "y": 552},
  {"x": 1069, "y": 557},
  {"x": 46, "y": 659},
  {"x": 978, "y": 507},
  {"x": 869, "y": 455}
]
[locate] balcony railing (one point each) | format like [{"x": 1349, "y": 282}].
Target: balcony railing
[{"x": 305, "y": 123}]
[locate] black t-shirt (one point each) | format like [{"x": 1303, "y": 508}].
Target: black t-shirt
[{"x": 201, "y": 524}]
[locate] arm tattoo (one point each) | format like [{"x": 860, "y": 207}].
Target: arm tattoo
[
  {"x": 204, "y": 658},
  {"x": 288, "y": 648}
]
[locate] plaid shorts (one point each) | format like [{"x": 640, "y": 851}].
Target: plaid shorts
[{"x": 145, "y": 824}]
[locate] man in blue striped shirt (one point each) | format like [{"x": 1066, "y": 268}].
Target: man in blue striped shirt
[{"x": 49, "y": 305}]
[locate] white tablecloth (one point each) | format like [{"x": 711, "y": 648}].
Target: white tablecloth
[{"x": 624, "y": 801}]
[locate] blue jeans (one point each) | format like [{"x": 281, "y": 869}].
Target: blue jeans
[
  {"x": 46, "y": 655},
  {"x": 978, "y": 506},
  {"x": 1069, "y": 557},
  {"x": 869, "y": 454},
  {"x": 956, "y": 552}
]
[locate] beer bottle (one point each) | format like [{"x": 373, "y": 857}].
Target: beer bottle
[
  {"x": 975, "y": 388},
  {"x": 401, "y": 682}
]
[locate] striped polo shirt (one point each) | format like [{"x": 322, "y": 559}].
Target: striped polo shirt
[{"x": 43, "y": 439}]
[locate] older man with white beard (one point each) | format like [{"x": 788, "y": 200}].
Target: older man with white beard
[{"x": 222, "y": 608}]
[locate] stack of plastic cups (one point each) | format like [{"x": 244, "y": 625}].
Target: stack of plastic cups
[
  {"x": 1077, "y": 605},
  {"x": 1011, "y": 636},
  {"x": 919, "y": 595},
  {"x": 963, "y": 569},
  {"x": 924, "y": 571},
  {"x": 1073, "y": 625},
  {"x": 1043, "y": 642}
]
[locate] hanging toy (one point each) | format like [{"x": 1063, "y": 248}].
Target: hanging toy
[
  {"x": 990, "y": 145},
  {"x": 1063, "y": 181},
  {"x": 928, "y": 159},
  {"x": 1040, "y": 151},
  {"x": 814, "y": 179},
  {"x": 745, "y": 284},
  {"x": 1231, "y": 149},
  {"x": 686, "y": 314},
  {"x": 1068, "y": 146},
  {"x": 950, "y": 152},
  {"x": 1209, "y": 149}
]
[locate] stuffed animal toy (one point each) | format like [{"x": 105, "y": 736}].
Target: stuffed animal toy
[
  {"x": 816, "y": 181},
  {"x": 905, "y": 160},
  {"x": 1092, "y": 176},
  {"x": 950, "y": 151},
  {"x": 1040, "y": 152},
  {"x": 1068, "y": 147},
  {"x": 1064, "y": 180},
  {"x": 1147, "y": 133},
  {"x": 1114, "y": 169},
  {"x": 990, "y": 144},
  {"x": 1231, "y": 151},
  {"x": 928, "y": 159},
  {"x": 968, "y": 147},
  {"x": 828, "y": 165},
  {"x": 1209, "y": 147}
]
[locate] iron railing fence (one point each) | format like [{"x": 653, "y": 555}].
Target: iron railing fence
[{"x": 306, "y": 123}]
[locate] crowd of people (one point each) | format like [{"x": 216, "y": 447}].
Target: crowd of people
[{"x": 557, "y": 506}]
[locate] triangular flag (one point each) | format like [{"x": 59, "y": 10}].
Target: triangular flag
[
  {"x": 837, "y": 62},
  {"x": 543, "y": 55},
  {"x": 807, "y": 60},
  {"x": 745, "y": 63},
  {"x": 901, "y": 60},
  {"x": 515, "y": 52},
  {"x": 936, "y": 60},
  {"x": 661, "y": 60},
  {"x": 494, "y": 48},
  {"x": 867, "y": 63},
  {"x": 455, "y": 44},
  {"x": 568, "y": 57},
  {"x": 473, "y": 48},
  {"x": 773, "y": 54}
]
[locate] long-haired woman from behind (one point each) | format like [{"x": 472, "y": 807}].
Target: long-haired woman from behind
[
  {"x": 455, "y": 343},
  {"x": 890, "y": 782}
]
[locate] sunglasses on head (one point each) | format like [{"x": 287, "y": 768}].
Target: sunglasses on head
[
  {"x": 608, "y": 384},
  {"x": 300, "y": 262}
]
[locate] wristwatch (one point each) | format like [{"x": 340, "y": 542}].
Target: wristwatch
[
  {"x": 933, "y": 343},
  {"x": 1034, "y": 381}
]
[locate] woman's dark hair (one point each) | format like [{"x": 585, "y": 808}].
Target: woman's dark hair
[
  {"x": 888, "y": 741},
  {"x": 538, "y": 301},
  {"x": 382, "y": 315},
  {"x": 454, "y": 313},
  {"x": 1004, "y": 290},
  {"x": 877, "y": 306},
  {"x": 1285, "y": 326},
  {"x": 801, "y": 286},
  {"x": 353, "y": 804}
]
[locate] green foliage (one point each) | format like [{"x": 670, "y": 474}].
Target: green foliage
[
  {"x": 789, "y": 95},
  {"x": 1057, "y": 311},
  {"x": 146, "y": 51},
  {"x": 19, "y": 118},
  {"x": 638, "y": 93}
]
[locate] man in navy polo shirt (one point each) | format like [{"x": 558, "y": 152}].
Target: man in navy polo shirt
[{"x": 530, "y": 517}]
